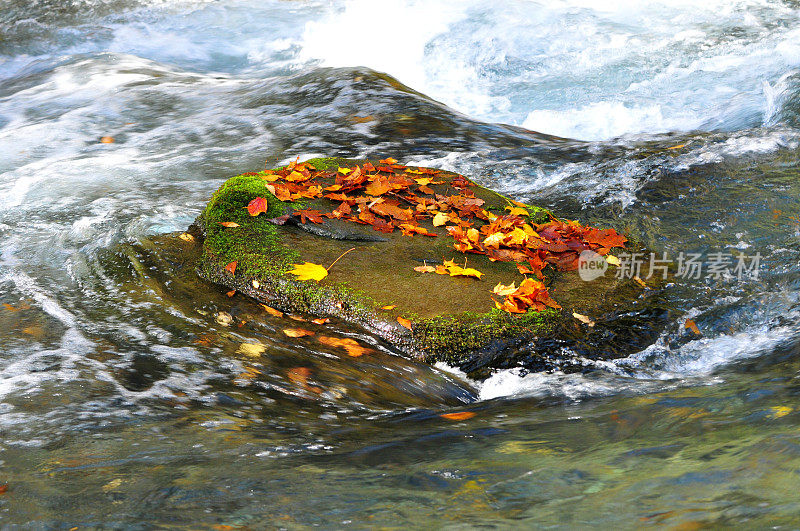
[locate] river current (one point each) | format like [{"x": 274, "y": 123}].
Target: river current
[{"x": 125, "y": 402}]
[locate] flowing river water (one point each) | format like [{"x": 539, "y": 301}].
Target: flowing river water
[{"x": 125, "y": 403}]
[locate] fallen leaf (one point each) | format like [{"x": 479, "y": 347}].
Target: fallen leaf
[
  {"x": 297, "y": 332},
  {"x": 404, "y": 322},
  {"x": 613, "y": 260},
  {"x": 314, "y": 216},
  {"x": 321, "y": 321},
  {"x": 640, "y": 282},
  {"x": 228, "y": 224},
  {"x": 389, "y": 307},
  {"x": 461, "y": 415},
  {"x": 231, "y": 293},
  {"x": 777, "y": 412},
  {"x": 517, "y": 211},
  {"x": 107, "y": 140},
  {"x": 440, "y": 219},
  {"x": 186, "y": 237},
  {"x": 251, "y": 349},
  {"x": 224, "y": 318},
  {"x": 691, "y": 325},
  {"x": 309, "y": 271},
  {"x": 467, "y": 272},
  {"x": 352, "y": 346},
  {"x": 677, "y": 147},
  {"x": 582, "y": 318},
  {"x": 503, "y": 290},
  {"x": 231, "y": 268},
  {"x": 388, "y": 161},
  {"x": 425, "y": 269},
  {"x": 272, "y": 311},
  {"x": 257, "y": 206},
  {"x": 299, "y": 375}
]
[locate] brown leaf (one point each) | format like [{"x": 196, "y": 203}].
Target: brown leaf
[
  {"x": 299, "y": 375},
  {"x": 352, "y": 346},
  {"x": 272, "y": 311},
  {"x": 691, "y": 325},
  {"x": 315, "y": 216},
  {"x": 228, "y": 224},
  {"x": 404, "y": 322},
  {"x": 321, "y": 321}
]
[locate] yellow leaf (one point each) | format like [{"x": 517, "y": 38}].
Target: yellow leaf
[
  {"x": 494, "y": 240},
  {"x": 468, "y": 272},
  {"x": 677, "y": 147},
  {"x": 613, "y": 260},
  {"x": 440, "y": 219},
  {"x": 186, "y": 237},
  {"x": 517, "y": 211},
  {"x": 297, "y": 332},
  {"x": 405, "y": 322},
  {"x": 389, "y": 307},
  {"x": 295, "y": 176},
  {"x": 518, "y": 236},
  {"x": 503, "y": 290},
  {"x": 344, "y": 171},
  {"x": 251, "y": 349},
  {"x": 425, "y": 269},
  {"x": 582, "y": 318},
  {"x": 640, "y": 282},
  {"x": 309, "y": 271},
  {"x": 779, "y": 411}
]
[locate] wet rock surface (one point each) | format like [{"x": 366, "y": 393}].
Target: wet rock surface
[{"x": 452, "y": 319}]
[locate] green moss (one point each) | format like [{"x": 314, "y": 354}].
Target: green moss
[
  {"x": 453, "y": 338},
  {"x": 255, "y": 243}
]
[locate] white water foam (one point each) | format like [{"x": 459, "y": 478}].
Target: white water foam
[{"x": 576, "y": 69}]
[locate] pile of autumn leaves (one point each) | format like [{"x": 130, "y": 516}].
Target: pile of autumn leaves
[{"x": 393, "y": 197}]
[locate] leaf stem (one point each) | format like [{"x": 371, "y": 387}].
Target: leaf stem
[{"x": 340, "y": 257}]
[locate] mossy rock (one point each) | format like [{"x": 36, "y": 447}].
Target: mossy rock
[{"x": 454, "y": 319}]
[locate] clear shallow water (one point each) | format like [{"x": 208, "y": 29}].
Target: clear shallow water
[{"x": 124, "y": 401}]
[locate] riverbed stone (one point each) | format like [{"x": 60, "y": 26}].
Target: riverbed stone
[{"x": 452, "y": 319}]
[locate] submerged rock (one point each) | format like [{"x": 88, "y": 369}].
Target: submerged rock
[{"x": 433, "y": 317}]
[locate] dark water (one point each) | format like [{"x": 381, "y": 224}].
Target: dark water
[{"x": 127, "y": 399}]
